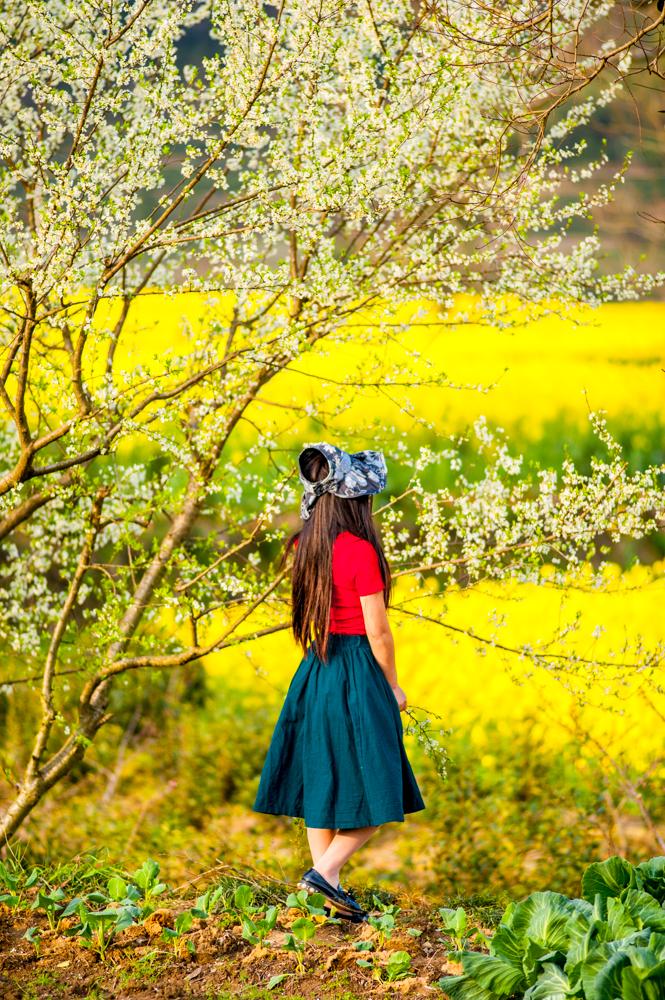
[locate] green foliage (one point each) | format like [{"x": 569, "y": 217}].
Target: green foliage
[
  {"x": 34, "y": 937},
  {"x": 146, "y": 878},
  {"x": 398, "y": 966},
  {"x": 98, "y": 928},
  {"x": 14, "y": 882},
  {"x": 488, "y": 817},
  {"x": 488, "y": 820},
  {"x": 144, "y": 969},
  {"x": 306, "y": 902},
  {"x": 182, "y": 924},
  {"x": 104, "y": 911},
  {"x": 384, "y": 924},
  {"x": 51, "y": 905},
  {"x": 608, "y": 944},
  {"x": 302, "y": 931},
  {"x": 208, "y": 902},
  {"x": 125, "y": 900},
  {"x": 608, "y": 878},
  {"x": 240, "y": 903},
  {"x": 277, "y": 979},
  {"x": 455, "y": 923},
  {"x": 256, "y": 931},
  {"x": 243, "y": 899}
]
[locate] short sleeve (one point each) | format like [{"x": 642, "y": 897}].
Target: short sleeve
[{"x": 368, "y": 570}]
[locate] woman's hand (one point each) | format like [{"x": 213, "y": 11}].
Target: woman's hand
[{"x": 401, "y": 697}]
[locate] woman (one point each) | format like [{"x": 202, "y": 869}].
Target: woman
[{"x": 336, "y": 757}]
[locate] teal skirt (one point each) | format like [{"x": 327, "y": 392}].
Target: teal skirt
[{"x": 336, "y": 757}]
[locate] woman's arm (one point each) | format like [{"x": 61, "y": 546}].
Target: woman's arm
[{"x": 381, "y": 640}]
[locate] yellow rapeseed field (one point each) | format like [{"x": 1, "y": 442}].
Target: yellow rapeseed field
[
  {"x": 610, "y": 358},
  {"x": 469, "y": 682}
]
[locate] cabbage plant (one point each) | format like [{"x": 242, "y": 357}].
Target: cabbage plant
[{"x": 608, "y": 945}]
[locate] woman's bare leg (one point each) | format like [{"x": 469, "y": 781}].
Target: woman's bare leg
[
  {"x": 341, "y": 847},
  {"x": 319, "y": 840}
]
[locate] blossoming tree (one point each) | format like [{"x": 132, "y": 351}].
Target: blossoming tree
[{"x": 327, "y": 163}]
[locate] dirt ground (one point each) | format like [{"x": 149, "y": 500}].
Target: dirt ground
[{"x": 141, "y": 964}]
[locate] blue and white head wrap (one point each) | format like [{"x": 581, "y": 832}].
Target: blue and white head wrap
[{"x": 349, "y": 475}]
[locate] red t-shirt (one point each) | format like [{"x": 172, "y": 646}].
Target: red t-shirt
[{"x": 356, "y": 572}]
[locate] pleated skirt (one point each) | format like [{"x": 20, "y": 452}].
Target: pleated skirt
[{"x": 336, "y": 756}]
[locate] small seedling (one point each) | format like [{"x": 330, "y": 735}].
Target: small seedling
[
  {"x": 302, "y": 930},
  {"x": 217, "y": 895},
  {"x": 34, "y": 937},
  {"x": 384, "y": 926},
  {"x": 369, "y": 964},
  {"x": 97, "y": 928},
  {"x": 277, "y": 979},
  {"x": 256, "y": 931},
  {"x": 13, "y": 884},
  {"x": 203, "y": 905},
  {"x": 216, "y": 899},
  {"x": 51, "y": 905},
  {"x": 455, "y": 923},
  {"x": 366, "y": 945},
  {"x": 116, "y": 887},
  {"x": 243, "y": 900},
  {"x": 182, "y": 924},
  {"x": 398, "y": 966},
  {"x": 309, "y": 903},
  {"x": 147, "y": 879}
]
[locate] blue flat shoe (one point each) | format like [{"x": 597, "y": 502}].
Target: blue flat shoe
[
  {"x": 356, "y": 919},
  {"x": 313, "y": 881}
]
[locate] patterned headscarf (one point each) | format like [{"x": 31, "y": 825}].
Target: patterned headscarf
[{"x": 352, "y": 475}]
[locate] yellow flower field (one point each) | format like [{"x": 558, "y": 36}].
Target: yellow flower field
[
  {"x": 470, "y": 682},
  {"x": 610, "y": 358}
]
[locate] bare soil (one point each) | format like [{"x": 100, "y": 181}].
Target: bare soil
[{"x": 218, "y": 963}]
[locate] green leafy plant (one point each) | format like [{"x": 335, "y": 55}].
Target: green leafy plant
[
  {"x": 147, "y": 879},
  {"x": 217, "y": 899},
  {"x": 366, "y": 945},
  {"x": 455, "y": 923},
  {"x": 277, "y": 979},
  {"x": 243, "y": 900},
  {"x": 97, "y": 928},
  {"x": 256, "y": 931},
  {"x": 117, "y": 887},
  {"x": 34, "y": 937},
  {"x": 181, "y": 925},
  {"x": 13, "y": 883},
  {"x": 51, "y": 905},
  {"x": 384, "y": 924},
  {"x": 398, "y": 966},
  {"x": 227, "y": 901},
  {"x": 307, "y": 902},
  {"x": 302, "y": 930},
  {"x": 608, "y": 944},
  {"x": 206, "y": 903}
]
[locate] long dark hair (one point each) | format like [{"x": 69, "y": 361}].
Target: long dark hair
[{"x": 311, "y": 578}]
